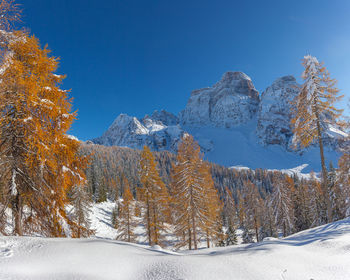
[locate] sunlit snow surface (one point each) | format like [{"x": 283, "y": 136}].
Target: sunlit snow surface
[
  {"x": 240, "y": 147},
  {"x": 319, "y": 253}
]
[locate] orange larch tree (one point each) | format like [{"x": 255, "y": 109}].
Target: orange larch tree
[
  {"x": 155, "y": 198},
  {"x": 195, "y": 200},
  {"x": 126, "y": 219},
  {"x": 41, "y": 161},
  {"x": 314, "y": 112}
]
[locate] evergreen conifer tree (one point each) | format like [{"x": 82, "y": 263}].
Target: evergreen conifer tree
[
  {"x": 81, "y": 210},
  {"x": 282, "y": 206},
  {"x": 231, "y": 238}
]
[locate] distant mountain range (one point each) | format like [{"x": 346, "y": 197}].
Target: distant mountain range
[{"x": 234, "y": 125}]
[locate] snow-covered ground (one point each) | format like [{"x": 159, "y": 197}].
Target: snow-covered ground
[{"x": 319, "y": 253}]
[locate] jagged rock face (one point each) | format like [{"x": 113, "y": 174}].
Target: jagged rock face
[
  {"x": 131, "y": 132},
  {"x": 231, "y": 101},
  {"x": 274, "y": 114},
  {"x": 164, "y": 117}
]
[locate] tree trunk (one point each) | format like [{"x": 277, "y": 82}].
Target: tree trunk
[
  {"x": 129, "y": 233},
  {"x": 256, "y": 229},
  {"x": 324, "y": 169},
  {"x": 194, "y": 231},
  {"x": 208, "y": 243},
  {"x": 193, "y": 222},
  {"x": 189, "y": 239},
  {"x": 155, "y": 224},
  {"x": 148, "y": 222},
  {"x": 17, "y": 212}
]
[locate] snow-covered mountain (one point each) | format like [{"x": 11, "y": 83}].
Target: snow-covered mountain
[
  {"x": 159, "y": 131},
  {"x": 230, "y": 102},
  {"x": 233, "y": 124}
]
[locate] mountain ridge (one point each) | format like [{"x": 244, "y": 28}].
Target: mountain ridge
[{"x": 231, "y": 121}]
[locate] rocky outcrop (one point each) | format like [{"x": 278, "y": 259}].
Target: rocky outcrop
[
  {"x": 274, "y": 113},
  {"x": 230, "y": 102},
  {"x": 164, "y": 117}
]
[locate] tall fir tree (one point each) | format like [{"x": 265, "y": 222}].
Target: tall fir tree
[
  {"x": 343, "y": 183},
  {"x": 335, "y": 193},
  {"x": 80, "y": 213},
  {"x": 252, "y": 206},
  {"x": 281, "y": 203},
  {"x": 231, "y": 236},
  {"x": 301, "y": 202},
  {"x": 229, "y": 209},
  {"x": 268, "y": 225},
  {"x": 314, "y": 111}
]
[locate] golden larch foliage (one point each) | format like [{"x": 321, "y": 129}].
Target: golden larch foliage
[
  {"x": 195, "y": 200},
  {"x": 155, "y": 198},
  {"x": 42, "y": 161}
]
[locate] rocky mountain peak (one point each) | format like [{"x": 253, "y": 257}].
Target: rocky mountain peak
[
  {"x": 158, "y": 131},
  {"x": 163, "y": 117},
  {"x": 230, "y": 102}
]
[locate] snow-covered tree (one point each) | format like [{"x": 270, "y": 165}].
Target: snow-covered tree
[
  {"x": 81, "y": 211},
  {"x": 114, "y": 215},
  {"x": 301, "y": 202},
  {"x": 230, "y": 218},
  {"x": 336, "y": 195},
  {"x": 282, "y": 205},
  {"x": 314, "y": 111},
  {"x": 268, "y": 226},
  {"x": 247, "y": 236},
  {"x": 343, "y": 183},
  {"x": 316, "y": 204},
  {"x": 231, "y": 236},
  {"x": 252, "y": 205},
  {"x": 221, "y": 237},
  {"x": 229, "y": 209}
]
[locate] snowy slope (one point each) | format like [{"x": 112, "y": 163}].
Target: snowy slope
[
  {"x": 319, "y": 253},
  {"x": 240, "y": 147}
]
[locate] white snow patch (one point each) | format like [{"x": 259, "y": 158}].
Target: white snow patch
[{"x": 72, "y": 137}]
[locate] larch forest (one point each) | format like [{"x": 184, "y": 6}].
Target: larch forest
[{"x": 50, "y": 180}]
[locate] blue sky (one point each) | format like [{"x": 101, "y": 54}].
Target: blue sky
[{"x": 134, "y": 56}]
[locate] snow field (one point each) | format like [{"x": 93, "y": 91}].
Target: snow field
[{"x": 318, "y": 253}]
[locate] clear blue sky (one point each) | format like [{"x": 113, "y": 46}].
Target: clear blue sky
[{"x": 128, "y": 56}]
